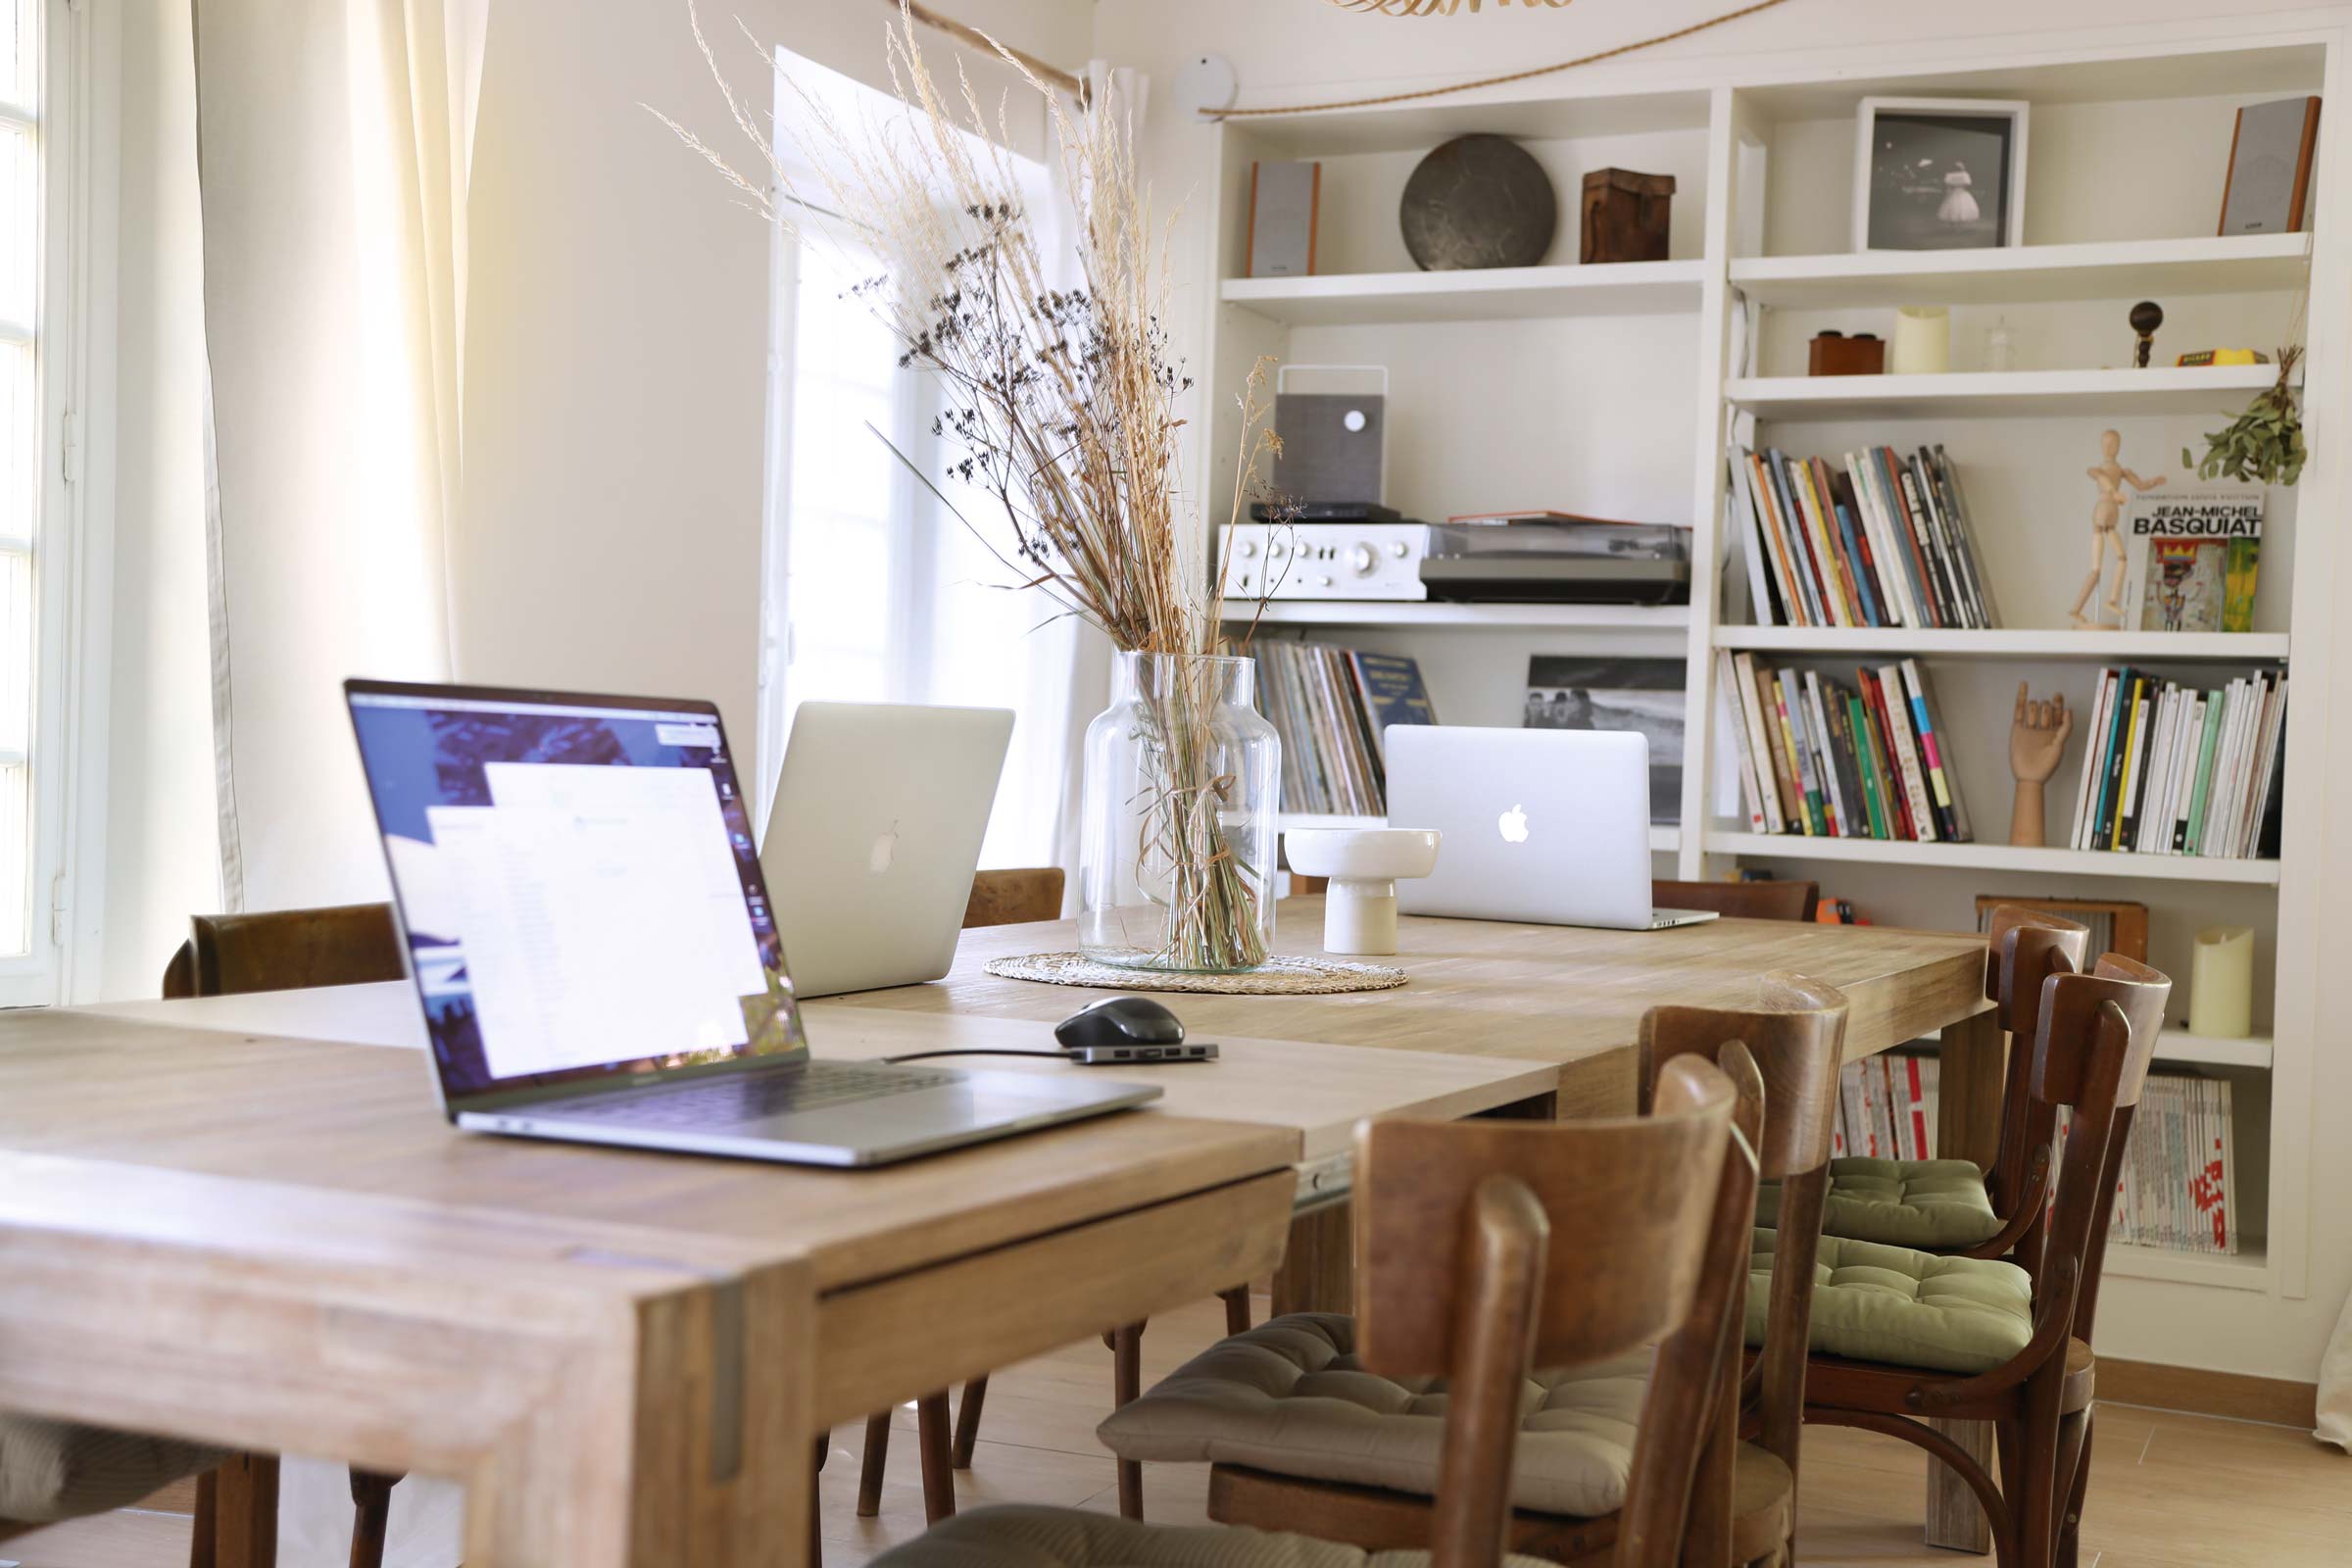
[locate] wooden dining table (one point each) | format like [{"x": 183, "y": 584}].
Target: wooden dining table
[{"x": 243, "y": 1220}]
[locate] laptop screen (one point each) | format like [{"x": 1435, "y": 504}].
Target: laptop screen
[{"x": 576, "y": 878}]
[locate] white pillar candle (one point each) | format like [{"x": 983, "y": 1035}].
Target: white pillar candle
[
  {"x": 2220, "y": 983},
  {"x": 1922, "y": 341}
]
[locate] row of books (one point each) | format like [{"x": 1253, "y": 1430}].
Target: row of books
[
  {"x": 1826, "y": 761},
  {"x": 1886, "y": 1109},
  {"x": 2178, "y": 1170},
  {"x": 2180, "y": 769},
  {"x": 1884, "y": 540},
  {"x": 1329, "y": 706}
]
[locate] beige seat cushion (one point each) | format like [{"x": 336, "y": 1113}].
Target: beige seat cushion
[
  {"x": 1289, "y": 1396},
  {"x": 58, "y": 1470},
  {"x": 1025, "y": 1536}
]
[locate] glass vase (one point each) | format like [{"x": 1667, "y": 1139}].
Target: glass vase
[{"x": 1183, "y": 778}]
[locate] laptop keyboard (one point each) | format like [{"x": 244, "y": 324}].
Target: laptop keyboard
[{"x": 735, "y": 1100}]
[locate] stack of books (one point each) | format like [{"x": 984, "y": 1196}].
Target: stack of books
[
  {"x": 1886, "y": 1109},
  {"x": 1329, "y": 706},
  {"x": 1826, "y": 761},
  {"x": 1878, "y": 539},
  {"x": 2178, "y": 1169},
  {"x": 2177, "y": 769}
]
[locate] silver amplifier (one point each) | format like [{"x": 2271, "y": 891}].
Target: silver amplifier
[{"x": 1325, "y": 559}]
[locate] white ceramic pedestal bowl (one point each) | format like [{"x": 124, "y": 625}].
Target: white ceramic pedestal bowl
[{"x": 1359, "y": 911}]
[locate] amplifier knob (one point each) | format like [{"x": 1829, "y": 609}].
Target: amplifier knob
[
  {"x": 1246, "y": 549},
  {"x": 1275, "y": 549},
  {"x": 1364, "y": 559},
  {"x": 1322, "y": 582},
  {"x": 1399, "y": 550}
]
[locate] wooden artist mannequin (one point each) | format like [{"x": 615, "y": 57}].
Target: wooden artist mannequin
[
  {"x": 2038, "y": 735},
  {"x": 2110, "y": 476}
]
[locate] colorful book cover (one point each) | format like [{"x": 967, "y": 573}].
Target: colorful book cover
[
  {"x": 1392, "y": 692},
  {"x": 1858, "y": 721},
  {"x": 2192, "y": 560}
]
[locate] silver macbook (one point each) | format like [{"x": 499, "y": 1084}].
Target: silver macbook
[
  {"x": 1548, "y": 825},
  {"x": 596, "y": 952},
  {"x": 873, "y": 838}
]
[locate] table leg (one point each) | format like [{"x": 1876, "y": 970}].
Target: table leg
[
  {"x": 1973, "y": 1055},
  {"x": 1315, "y": 1273}
]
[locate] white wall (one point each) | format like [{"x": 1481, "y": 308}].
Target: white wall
[
  {"x": 1301, "y": 53},
  {"x": 163, "y": 861}
]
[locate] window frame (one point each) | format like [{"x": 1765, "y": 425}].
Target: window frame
[{"x": 76, "y": 152}]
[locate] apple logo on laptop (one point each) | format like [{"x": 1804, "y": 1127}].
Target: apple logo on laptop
[
  {"x": 1512, "y": 825},
  {"x": 886, "y": 849}
]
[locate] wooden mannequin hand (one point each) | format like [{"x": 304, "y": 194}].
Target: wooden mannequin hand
[{"x": 2038, "y": 735}]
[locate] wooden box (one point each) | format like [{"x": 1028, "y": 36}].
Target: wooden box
[
  {"x": 1835, "y": 354},
  {"x": 1625, "y": 216}
]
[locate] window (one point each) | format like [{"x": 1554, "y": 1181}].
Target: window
[
  {"x": 876, "y": 592},
  {"x": 40, "y": 50}
]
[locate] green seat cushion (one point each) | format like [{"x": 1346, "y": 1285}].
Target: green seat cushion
[
  {"x": 1029, "y": 1536},
  {"x": 1911, "y": 1308},
  {"x": 1934, "y": 1204}
]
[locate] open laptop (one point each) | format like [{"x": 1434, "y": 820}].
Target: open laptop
[
  {"x": 1548, "y": 825},
  {"x": 586, "y": 920},
  {"x": 873, "y": 838}
]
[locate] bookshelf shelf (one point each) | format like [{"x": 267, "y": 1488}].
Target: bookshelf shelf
[
  {"x": 2028, "y": 274},
  {"x": 2153, "y": 647},
  {"x": 1431, "y": 613},
  {"x": 2181, "y": 1047},
  {"x": 1995, "y": 858},
  {"x": 1664, "y": 838},
  {"x": 1503, "y": 293},
  {"x": 2248, "y": 1270},
  {"x": 1983, "y": 393}
]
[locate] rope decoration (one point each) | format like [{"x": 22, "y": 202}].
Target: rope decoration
[
  {"x": 1432, "y": 8},
  {"x": 1402, "y": 8}
]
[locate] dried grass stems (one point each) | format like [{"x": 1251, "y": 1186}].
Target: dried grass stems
[{"x": 1060, "y": 403}]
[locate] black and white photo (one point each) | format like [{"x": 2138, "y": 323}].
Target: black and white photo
[{"x": 1938, "y": 174}]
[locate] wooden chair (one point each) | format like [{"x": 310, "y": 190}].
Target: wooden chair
[
  {"x": 1953, "y": 1206},
  {"x": 1796, "y": 1034},
  {"x": 1740, "y": 901},
  {"x": 1286, "y": 1421},
  {"x": 288, "y": 949},
  {"x": 1475, "y": 1249},
  {"x": 2089, "y": 1050}
]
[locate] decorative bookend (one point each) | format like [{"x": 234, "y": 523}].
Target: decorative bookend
[{"x": 1625, "y": 216}]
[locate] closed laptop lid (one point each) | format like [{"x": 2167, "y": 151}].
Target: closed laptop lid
[
  {"x": 1546, "y": 825},
  {"x": 575, "y": 879},
  {"x": 871, "y": 844}
]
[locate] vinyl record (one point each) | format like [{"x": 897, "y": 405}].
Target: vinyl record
[{"x": 1478, "y": 201}]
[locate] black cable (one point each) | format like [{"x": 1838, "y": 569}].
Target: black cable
[{"x": 925, "y": 1056}]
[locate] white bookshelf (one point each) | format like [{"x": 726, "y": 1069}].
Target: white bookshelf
[
  {"x": 1411, "y": 613},
  {"x": 1500, "y": 293},
  {"x": 2204, "y": 390},
  {"x": 1618, "y": 391},
  {"x": 2104, "y": 647}
]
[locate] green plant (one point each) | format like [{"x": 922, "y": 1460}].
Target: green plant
[{"x": 2263, "y": 444}]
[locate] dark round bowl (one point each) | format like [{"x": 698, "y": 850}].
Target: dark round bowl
[{"x": 1478, "y": 201}]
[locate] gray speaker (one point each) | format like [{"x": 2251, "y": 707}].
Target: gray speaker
[{"x": 1331, "y": 442}]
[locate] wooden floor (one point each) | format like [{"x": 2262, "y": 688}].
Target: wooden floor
[{"x": 2167, "y": 1490}]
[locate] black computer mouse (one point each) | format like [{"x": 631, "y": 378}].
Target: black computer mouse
[{"x": 1120, "y": 1021}]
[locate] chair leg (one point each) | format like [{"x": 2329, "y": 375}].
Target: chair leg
[
  {"x": 871, "y": 1464},
  {"x": 937, "y": 1447},
  {"x": 201, "y": 1552},
  {"x": 371, "y": 1515},
  {"x": 1236, "y": 1308},
  {"x": 968, "y": 1421},
  {"x": 816, "y": 1531},
  {"x": 2034, "y": 1510},
  {"x": 245, "y": 1512},
  {"x": 2074, "y": 1480},
  {"x": 1127, "y": 1384}
]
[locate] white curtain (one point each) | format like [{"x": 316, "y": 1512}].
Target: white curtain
[{"x": 333, "y": 139}]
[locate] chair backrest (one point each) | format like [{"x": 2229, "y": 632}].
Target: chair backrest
[
  {"x": 1015, "y": 897},
  {"x": 1481, "y": 1250},
  {"x": 1796, "y": 1034},
  {"x": 2096, "y": 1036},
  {"x": 1740, "y": 901},
  {"x": 2024, "y": 947},
  {"x": 285, "y": 950}
]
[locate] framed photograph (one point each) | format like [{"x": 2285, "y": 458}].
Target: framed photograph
[
  {"x": 1645, "y": 695},
  {"x": 1939, "y": 174}
]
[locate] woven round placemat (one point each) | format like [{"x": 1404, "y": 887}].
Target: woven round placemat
[{"x": 1276, "y": 977}]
